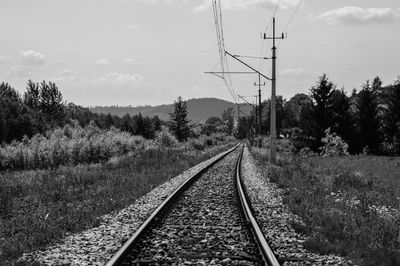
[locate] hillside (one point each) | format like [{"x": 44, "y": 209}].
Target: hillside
[{"x": 199, "y": 109}]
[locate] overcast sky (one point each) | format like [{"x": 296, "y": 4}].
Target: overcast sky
[{"x": 136, "y": 52}]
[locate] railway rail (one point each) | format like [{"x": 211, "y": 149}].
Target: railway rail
[{"x": 207, "y": 220}]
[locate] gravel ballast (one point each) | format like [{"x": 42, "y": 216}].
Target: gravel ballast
[
  {"x": 204, "y": 227},
  {"x": 274, "y": 219},
  {"x": 97, "y": 245}
]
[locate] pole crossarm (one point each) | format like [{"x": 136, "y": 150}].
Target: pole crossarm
[
  {"x": 247, "y": 56},
  {"x": 226, "y": 72},
  {"x": 255, "y": 70}
]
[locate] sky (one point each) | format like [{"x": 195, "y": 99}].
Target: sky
[{"x": 149, "y": 52}]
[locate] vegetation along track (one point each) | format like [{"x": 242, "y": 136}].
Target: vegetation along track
[{"x": 206, "y": 221}]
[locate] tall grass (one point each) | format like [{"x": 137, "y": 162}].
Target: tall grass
[
  {"x": 346, "y": 211},
  {"x": 41, "y": 206},
  {"x": 69, "y": 145}
]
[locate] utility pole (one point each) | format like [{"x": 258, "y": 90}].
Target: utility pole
[
  {"x": 259, "y": 109},
  {"x": 238, "y": 115},
  {"x": 272, "y": 156},
  {"x": 256, "y": 122}
]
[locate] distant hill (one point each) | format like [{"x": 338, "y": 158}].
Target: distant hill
[{"x": 199, "y": 109}]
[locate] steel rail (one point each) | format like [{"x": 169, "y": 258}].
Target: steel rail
[
  {"x": 266, "y": 252},
  {"x": 171, "y": 199}
]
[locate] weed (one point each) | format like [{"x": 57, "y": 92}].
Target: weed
[
  {"x": 40, "y": 206},
  {"x": 349, "y": 204}
]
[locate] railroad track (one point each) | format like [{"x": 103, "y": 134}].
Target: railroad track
[{"x": 206, "y": 221}]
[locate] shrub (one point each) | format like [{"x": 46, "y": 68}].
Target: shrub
[
  {"x": 165, "y": 138},
  {"x": 196, "y": 144},
  {"x": 333, "y": 145},
  {"x": 220, "y": 137},
  {"x": 306, "y": 152},
  {"x": 208, "y": 140},
  {"x": 71, "y": 144}
]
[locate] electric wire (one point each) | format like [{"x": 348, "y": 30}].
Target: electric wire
[
  {"x": 262, "y": 62},
  {"x": 290, "y": 20},
  {"x": 231, "y": 89},
  {"x": 217, "y": 12}
]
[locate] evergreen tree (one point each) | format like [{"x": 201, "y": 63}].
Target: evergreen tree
[
  {"x": 342, "y": 120},
  {"x": 32, "y": 96},
  {"x": 15, "y": 116},
  {"x": 51, "y": 103},
  {"x": 367, "y": 118},
  {"x": 157, "y": 123},
  {"x": 179, "y": 124},
  {"x": 321, "y": 93},
  {"x": 391, "y": 120}
]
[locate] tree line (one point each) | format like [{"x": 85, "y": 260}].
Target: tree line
[
  {"x": 41, "y": 108},
  {"x": 368, "y": 119}
]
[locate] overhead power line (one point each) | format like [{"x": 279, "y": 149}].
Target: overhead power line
[
  {"x": 217, "y": 11},
  {"x": 290, "y": 19}
]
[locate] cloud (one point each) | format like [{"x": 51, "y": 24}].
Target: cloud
[
  {"x": 102, "y": 62},
  {"x": 130, "y": 61},
  {"x": 248, "y": 4},
  {"x": 5, "y": 59},
  {"x": 119, "y": 79},
  {"x": 132, "y": 27},
  {"x": 60, "y": 62},
  {"x": 297, "y": 73},
  {"x": 356, "y": 15},
  {"x": 66, "y": 74},
  {"x": 32, "y": 58},
  {"x": 20, "y": 71}
]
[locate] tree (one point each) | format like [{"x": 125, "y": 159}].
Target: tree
[
  {"x": 15, "y": 116},
  {"x": 342, "y": 120},
  {"x": 178, "y": 123},
  {"x": 391, "y": 119},
  {"x": 244, "y": 127},
  {"x": 321, "y": 93},
  {"x": 32, "y": 96},
  {"x": 266, "y": 115},
  {"x": 227, "y": 118},
  {"x": 292, "y": 110},
  {"x": 367, "y": 118},
  {"x": 213, "y": 124},
  {"x": 51, "y": 103}
]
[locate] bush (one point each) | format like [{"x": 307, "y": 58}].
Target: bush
[
  {"x": 300, "y": 140},
  {"x": 333, "y": 145},
  {"x": 220, "y": 137},
  {"x": 165, "y": 139},
  {"x": 208, "y": 140},
  {"x": 69, "y": 145},
  {"x": 196, "y": 144}
]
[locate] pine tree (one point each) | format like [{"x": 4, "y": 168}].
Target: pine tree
[
  {"x": 342, "y": 120},
  {"x": 391, "y": 119},
  {"x": 322, "y": 93},
  {"x": 178, "y": 123},
  {"x": 367, "y": 118}
]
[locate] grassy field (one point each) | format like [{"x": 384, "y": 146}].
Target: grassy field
[
  {"x": 350, "y": 205},
  {"x": 37, "y": 207}
]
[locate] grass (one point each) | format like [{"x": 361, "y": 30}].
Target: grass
[
  {"x": 349, "y": 204},
  {"x": 38, "y": 207}
]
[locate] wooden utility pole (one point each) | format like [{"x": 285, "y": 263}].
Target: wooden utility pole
[
  {"x": 272, "y": 155},
  {"x": 259, "y": 109}
]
